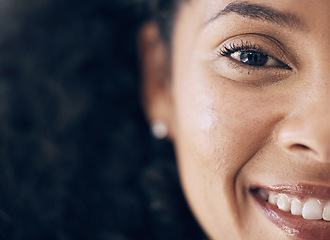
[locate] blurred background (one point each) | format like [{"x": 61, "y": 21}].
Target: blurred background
[{"x": 77, "y": 160}]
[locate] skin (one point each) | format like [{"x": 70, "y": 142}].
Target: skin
[{"x": 234, "y": 126}]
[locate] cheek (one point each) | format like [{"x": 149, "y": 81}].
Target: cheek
[
  {"x": 219, "y": 126},
  {"x": 219, "y": 123}
]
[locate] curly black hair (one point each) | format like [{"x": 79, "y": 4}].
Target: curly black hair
[{"x": 77, "y": 159}]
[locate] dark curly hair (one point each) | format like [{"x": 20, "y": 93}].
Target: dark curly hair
[{"x": 77, "y": 160}]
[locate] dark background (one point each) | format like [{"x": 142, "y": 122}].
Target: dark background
[{"x": 77, "y": 160}]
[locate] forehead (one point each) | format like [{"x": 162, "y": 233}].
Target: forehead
[
  {"x": 197, "y": 21},
  {"x": 314, "y": 11}
]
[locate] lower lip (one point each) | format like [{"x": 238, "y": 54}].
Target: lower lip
[{"x": 295, "y": 226}]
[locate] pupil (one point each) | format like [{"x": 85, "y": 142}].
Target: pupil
[{"x": 253, "y": 58}]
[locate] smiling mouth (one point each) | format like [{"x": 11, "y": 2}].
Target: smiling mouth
[{"x": 301, "y": 211}]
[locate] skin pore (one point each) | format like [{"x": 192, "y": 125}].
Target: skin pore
[{"x": 246, "y": 104}]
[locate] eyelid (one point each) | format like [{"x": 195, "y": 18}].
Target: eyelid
[
  {"x": 260, "y": 43},
  {"x": 255, "y": 76}
]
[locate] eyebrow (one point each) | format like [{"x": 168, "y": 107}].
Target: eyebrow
[{"x": 260, "y": 12}]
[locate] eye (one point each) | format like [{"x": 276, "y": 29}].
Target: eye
[
  {"x": 252, "y": 59},
  {"x": 255, "y": 58}
]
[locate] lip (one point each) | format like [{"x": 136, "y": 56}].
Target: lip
[
  {"x": 296, "y": 226},
  {"x": 302, "y": 190}
]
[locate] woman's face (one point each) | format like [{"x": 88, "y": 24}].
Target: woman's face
[{"x": 250, "y": 116}]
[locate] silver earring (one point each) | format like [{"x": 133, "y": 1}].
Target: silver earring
[{"x": 159, "y": 129}]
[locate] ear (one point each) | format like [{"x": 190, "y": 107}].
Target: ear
[{"x": 155, "y": 65}]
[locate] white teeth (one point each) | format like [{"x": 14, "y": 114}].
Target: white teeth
[
  {"x": 272, "y": 198},
  {"x": 283, "y": 203},
  {"x": 312, "y": 209},
  {"x": 296, "y": 207},
  {"x": 326, "y": 212},
  {"x": 263, "y": 193}
]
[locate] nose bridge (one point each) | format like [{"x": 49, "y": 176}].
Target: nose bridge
[{"x": 307, "y": 129}]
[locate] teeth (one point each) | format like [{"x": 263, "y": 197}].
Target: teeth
[
  {"x": 312, "y": 209},
  {"x": 283, "y": 203},
  {"x": 264, "y": 194},
  {"x": 296, "y": 207},
  {"x": 272, "y": 198},
  {"x": 326, "y": 212}
]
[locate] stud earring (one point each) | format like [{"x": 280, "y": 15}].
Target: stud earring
[{"x": 159, "y": 129}]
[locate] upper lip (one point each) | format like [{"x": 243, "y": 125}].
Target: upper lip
[{"x": 301, "y": 190}]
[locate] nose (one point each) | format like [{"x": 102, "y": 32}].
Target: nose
[{"x": 307, "y": 133}]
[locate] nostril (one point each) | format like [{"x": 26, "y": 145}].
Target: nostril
[
  {"x": 305, "y": 135},
  {"x": 300, "y": 146},
  {"x": 305, "y": 151}
]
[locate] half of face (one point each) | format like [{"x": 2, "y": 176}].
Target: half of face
[{"x": 246, "y": 96}]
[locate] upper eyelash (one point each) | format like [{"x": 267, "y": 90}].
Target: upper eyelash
[
  {"x": 227, "y": 50},
  {"x": 243, "y": 46}
]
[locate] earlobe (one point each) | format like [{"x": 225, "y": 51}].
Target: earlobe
[
  {"x": 159, "y": 129},
  {"x": 155, "y": 76}
]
